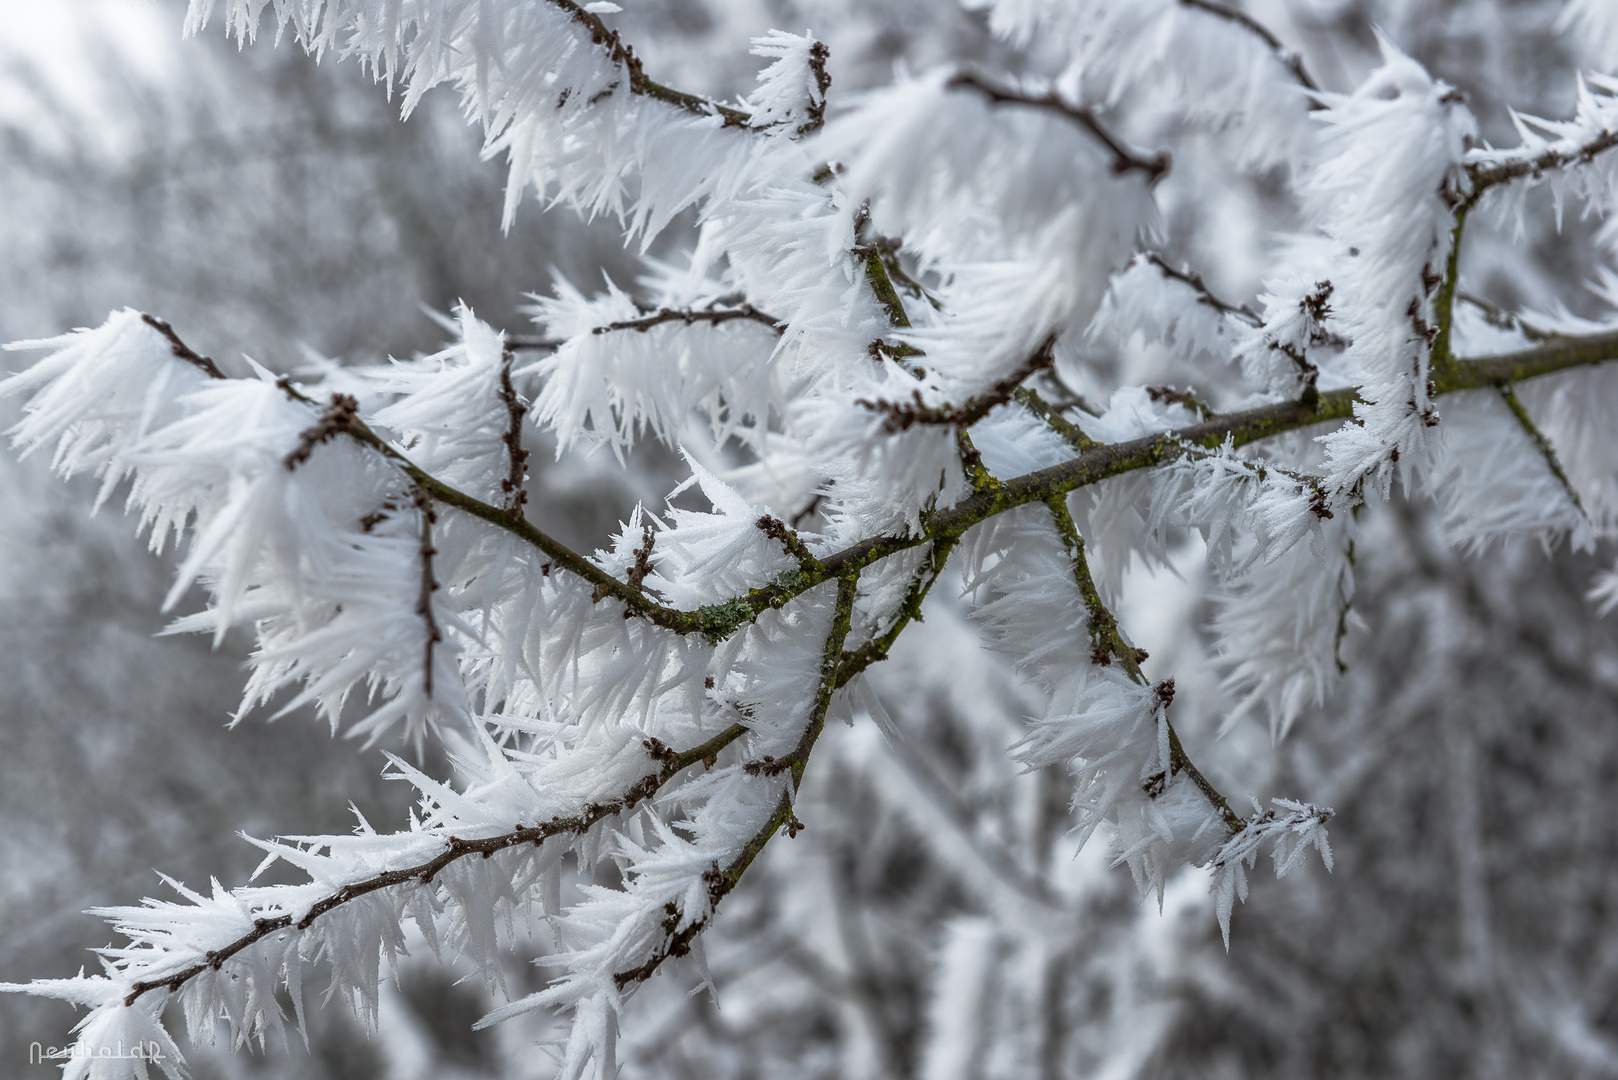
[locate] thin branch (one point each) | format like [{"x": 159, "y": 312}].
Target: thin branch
[
  {"x": 813, "y": 505},
  {"x": 516, "y": 456},
  {"x": 643, "y": 557},
  {"x": 876, "y": 650},
  {"x": 718, "y": 621},
  {"x": 778, "y": 530},
  {"x": 1289, "y": 59},
  {"x": 1030, "y": 400},
  {"x": 1109, "y": 644},
  {"x": 876, "y": 272},
  {"x": 1346, "y": 607},
  {"x": 714, "y": 316},
  {"x": 181, "y": 349},
  {"x": 1501, "y": 319},
  {"x": 901, "y": 416},
  {"x": 429, "y": 585},
  {"x": 1485, "y": 176},
  {"x": 623, "y": 54},
  {"x": 1546, "y": 450},
  {"x": 672, "y": 763},
  {"x": 819, "y": 54},
  {"x": 721, "y": 881},
  {"x": 1168, "y": 395},
  {"x": 688, "y": 316},
  {"x": 1186, "y": 276},
  {"x": 533, "y": 343},
  {"x": 1072, "y": 399},
  {"x": 889, "y": 247},
  {"x": 1442, "y": 354},
  {"x": 1123, "y": 158},
  {"x": 338, "y": 418}
]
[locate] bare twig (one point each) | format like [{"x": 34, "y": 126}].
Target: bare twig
[
  {"x": 533, "y": 343},
  {"x": 722, "y": 880},
  {"x": 1123, "y": 158},
  {"x": 516, "y": 456},
  {"x": 901, "y": 416},
  {"x": 181, "y": 349},
  {"x": 1205, "y": 295},
  {"x": 712, "y": 315},
  {"x": 1485, "y": 176},
  {"x": 429, "y": 585},
  {"x": 1546, "y": 450},
  {"x": 1289, "y": 59}
]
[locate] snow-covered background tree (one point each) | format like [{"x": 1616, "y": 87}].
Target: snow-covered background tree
[{"x": 954, "y": 329}]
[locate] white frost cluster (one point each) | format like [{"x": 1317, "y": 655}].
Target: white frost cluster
[{"x": 1393, "y": 148}]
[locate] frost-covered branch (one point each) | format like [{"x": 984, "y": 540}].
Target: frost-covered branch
[
  {"x": 1539, "y": 157},
  {"x": 721, "y": 880},
  {"x": 672, "y": 764}
]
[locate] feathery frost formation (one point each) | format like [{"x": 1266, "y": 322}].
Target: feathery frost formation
[{"x": 877, "y": 355}]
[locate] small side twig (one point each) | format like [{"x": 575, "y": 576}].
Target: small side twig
[
  {"x": 819, "y": 53},
  {"x": 1123, "y": 158},
  {"x": 643, "y": 557},
  {"x": 1205, "y": 295},
  {"x": 1030, "y": 400},
  {"x": 456, "y": 849},
  {"x": 778, "y": 530},
  {"x": 1543, "y": 444},
  {"x": 339, "y": 418},
  {"x": 688, "y": 316},
  {"x": 1485, "y": 175},
  {"x": 516, "y": 456},
  {"x": 1109, "y": 644},
  {"x": 901, "y": 416},
  {"x": 181, "y": 349},
  {"x": 533, "y": 343},
  {"x": 622, "y": 53},
  {"x": 1288, "y": 58},
  {"x": 1501, "y": 319},
  {"x": 1168, "y": 395}
]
